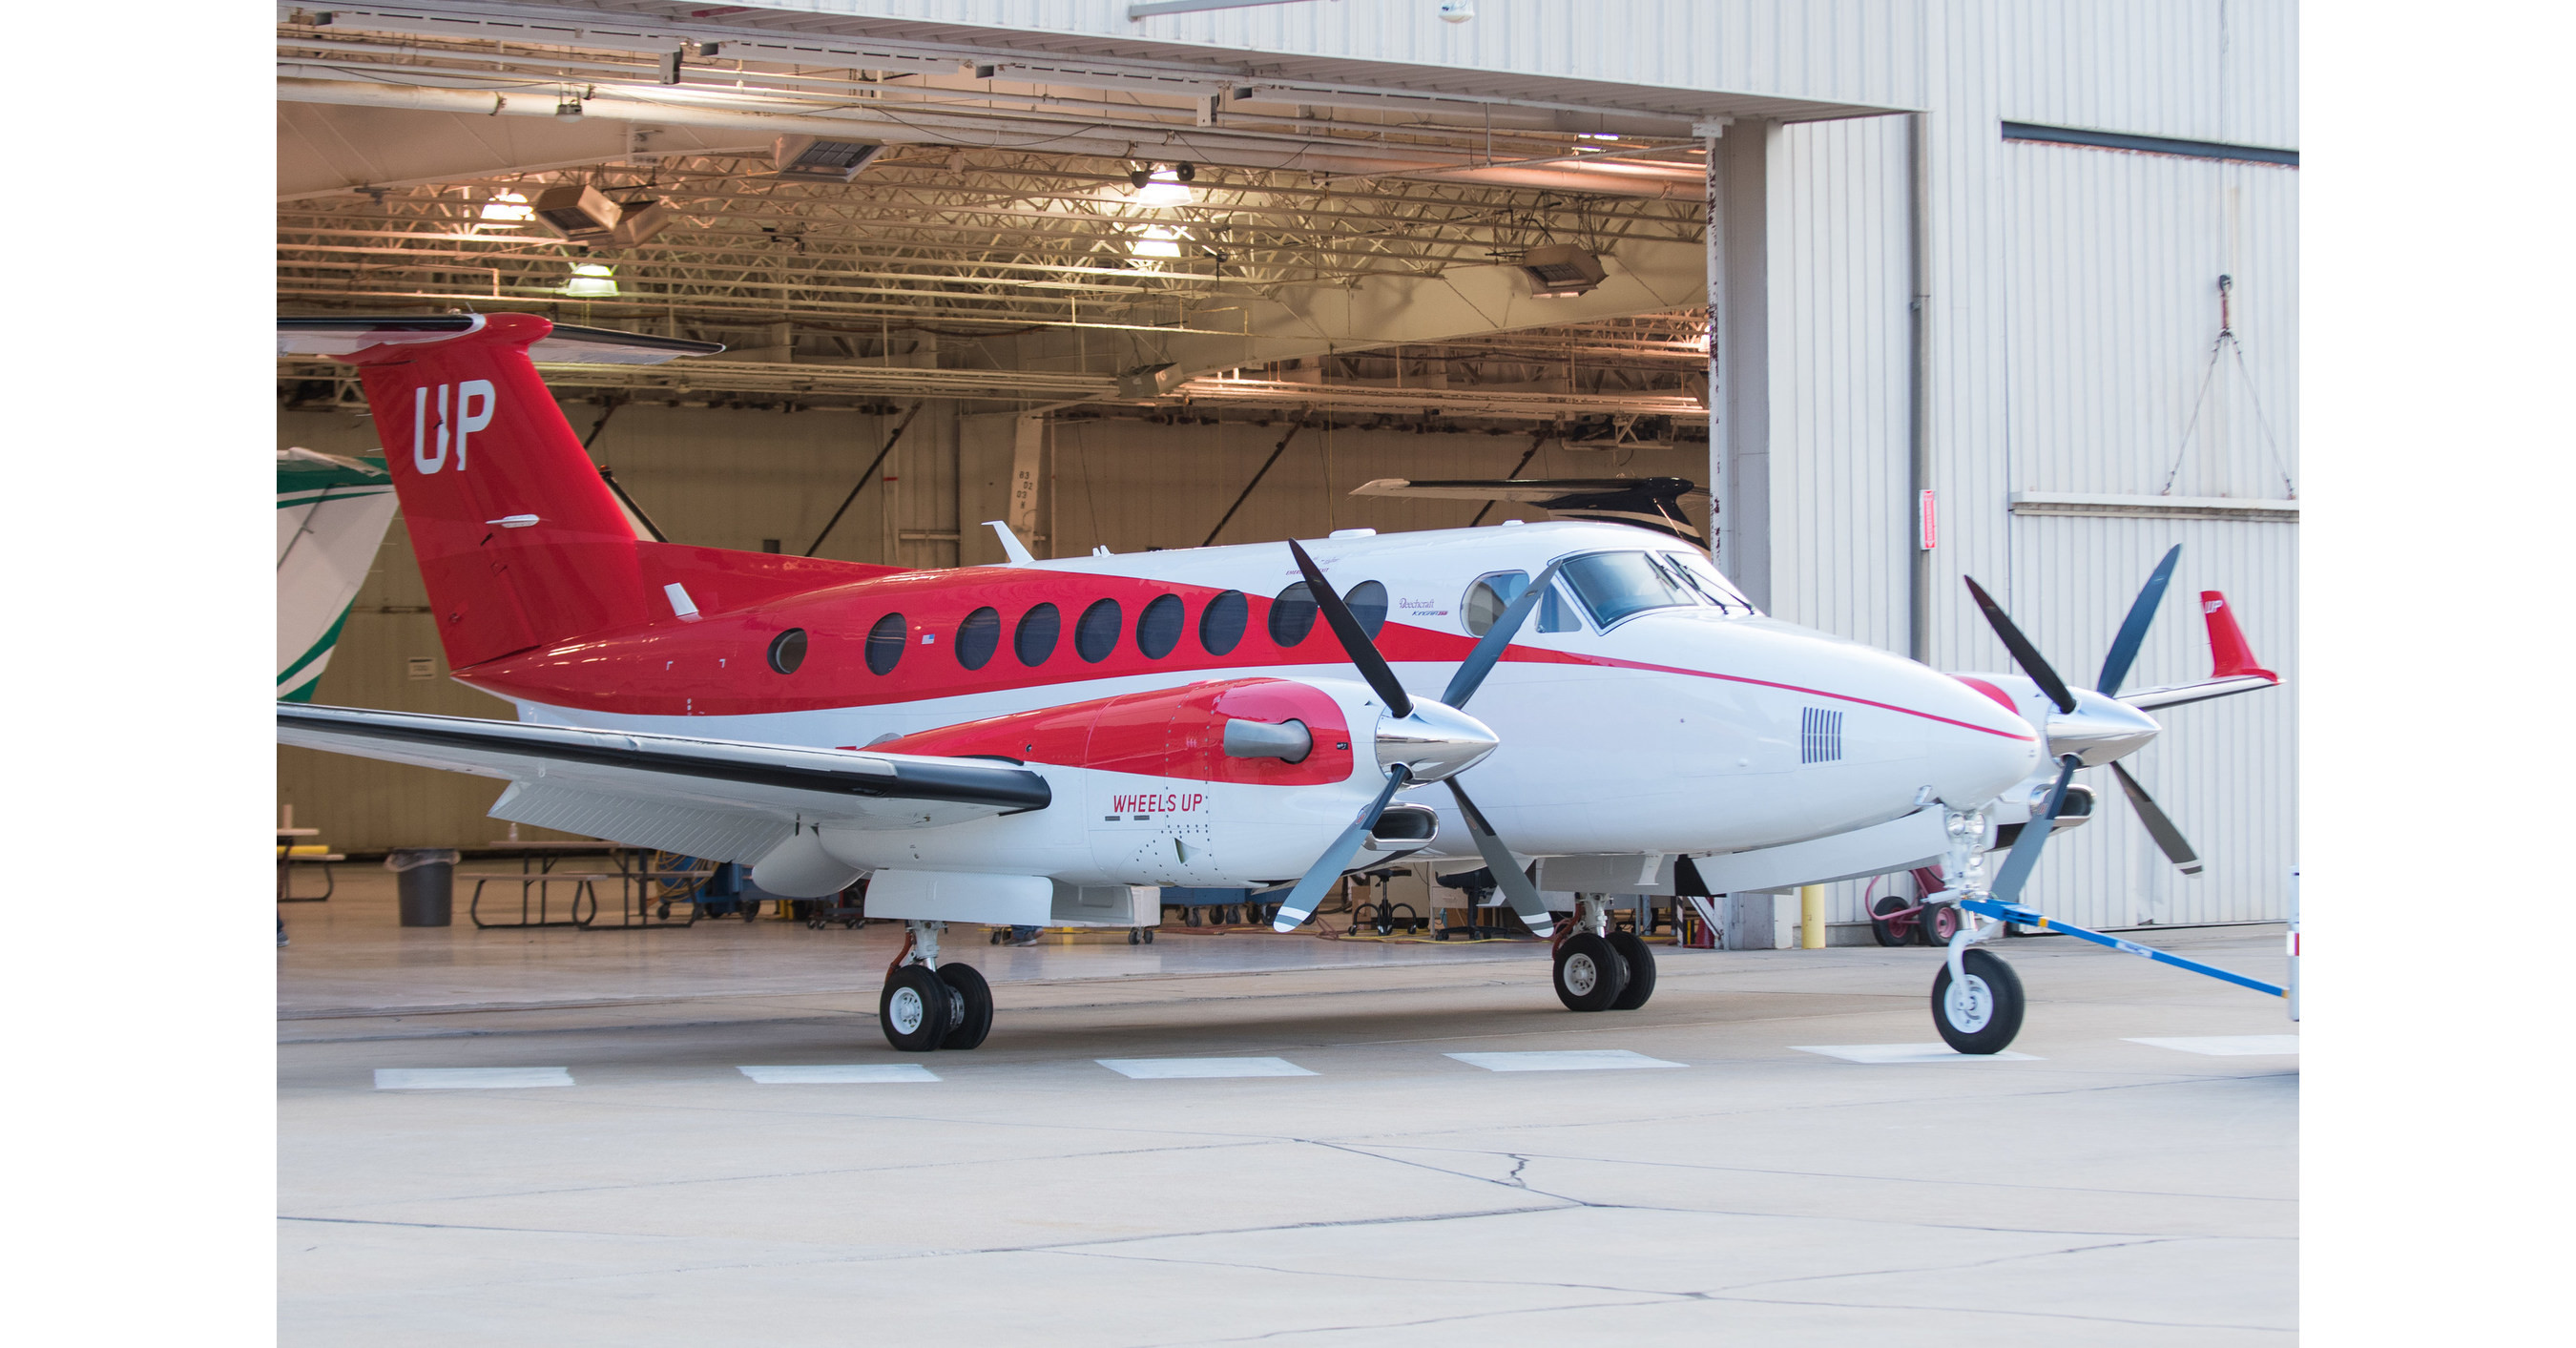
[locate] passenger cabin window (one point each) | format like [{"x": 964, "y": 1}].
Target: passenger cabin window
[
  {"x": 1490, "y": 595},
  {"x": 1158, "y": 628},
  {"x": 1222, "y": 622},
  {"x": 1292, "y": 614},
  {"x": 978, "y": 637},
  {"x": 1095, "y": 634},
  {"x": 885, "y": 644},
  {"x": 1367, "y": 603},
  {"x": 1616, "y": 585},
  {"x": 787, "y": 650},
  {"x": 1034, "y": 641}
]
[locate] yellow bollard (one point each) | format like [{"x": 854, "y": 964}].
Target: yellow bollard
[{"x": 1811, "y": 917}]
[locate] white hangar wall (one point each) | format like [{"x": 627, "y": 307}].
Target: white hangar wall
[{"x": 2071, "y": 299}]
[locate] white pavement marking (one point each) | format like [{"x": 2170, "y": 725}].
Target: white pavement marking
[
  {"x": 1563, "y": 1060},
  {"x": 468, "y": 1078},
  {"x": 1896, "y": 1053},
  {"x": 1156, "y": 1069},
  {"x": 835, "y": 1074},
  {"x": 2229, "y": 1045}
]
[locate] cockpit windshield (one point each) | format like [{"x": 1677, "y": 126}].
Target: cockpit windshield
[{"x": 1615, "y": 585}]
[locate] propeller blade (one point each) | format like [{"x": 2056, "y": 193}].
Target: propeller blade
[
  {"x": 1301, "y": 901},
  {"x": 2133, "y": 630},
  {"x": 2023, "y": 653},
  {"x": 2025, "y": 852},
  {"x": 1507, "y": 872},
  {"x": 2159, "y": 827},
  {"x": 1480, "y": 661},
  {"x": 1355, "y": 643}
]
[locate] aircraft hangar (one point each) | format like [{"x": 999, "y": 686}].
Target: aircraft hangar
[{"x": 1910, "y": 292}]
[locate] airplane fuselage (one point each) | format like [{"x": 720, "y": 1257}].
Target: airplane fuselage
[{"x": 1644, "y": 709}]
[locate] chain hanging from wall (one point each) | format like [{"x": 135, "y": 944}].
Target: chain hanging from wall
[{"x": 2227, "y": 344}]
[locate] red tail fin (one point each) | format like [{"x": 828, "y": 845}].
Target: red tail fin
[
  {"x": 2228, "y": 653},
  {"x": 519, "y": 541}
]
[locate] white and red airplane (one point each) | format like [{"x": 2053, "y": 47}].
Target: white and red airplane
[{"x": 1035, "y": 741}]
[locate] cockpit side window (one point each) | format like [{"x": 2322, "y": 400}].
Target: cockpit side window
[
  {"x": 1491, "y": 594},
  {"x": 1615, "y": 585}
]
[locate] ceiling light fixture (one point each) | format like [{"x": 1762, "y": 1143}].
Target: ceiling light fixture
[
  {"x": 1156, "y": 241},
  {"x": 591, "y": 281},
  {"x": 1159, "y": 188},
  {"x": 507, "y": 210}
]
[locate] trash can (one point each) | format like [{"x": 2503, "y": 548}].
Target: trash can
[{"x": 425, "y": 883}]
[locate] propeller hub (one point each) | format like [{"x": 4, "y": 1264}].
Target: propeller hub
[
  {"x": 2099, "y": 730},
  {"x": 1435, "y": 742}
]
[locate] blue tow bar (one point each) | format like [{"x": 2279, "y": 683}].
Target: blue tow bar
[{"x": 2031, "y": 917}]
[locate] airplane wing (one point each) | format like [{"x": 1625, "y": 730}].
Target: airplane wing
[{"x": 721, "y": 799}]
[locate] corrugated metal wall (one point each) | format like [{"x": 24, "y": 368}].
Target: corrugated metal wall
[{"x": 2073, "y": 306}]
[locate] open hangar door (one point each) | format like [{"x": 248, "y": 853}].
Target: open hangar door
[{"x": 1116, "y": 302}]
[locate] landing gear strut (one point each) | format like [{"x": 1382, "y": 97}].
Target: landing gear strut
[{"x": 928, "y": 1005}]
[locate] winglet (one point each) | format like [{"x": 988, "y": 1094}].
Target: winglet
[
  {"x": 1012, "y": 547},
  {"x": 2230, "y": 657}
]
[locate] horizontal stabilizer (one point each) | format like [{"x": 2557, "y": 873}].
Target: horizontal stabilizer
[
  {"x": 2232, "y": 665},
  {"x": 566, "y": 345}
]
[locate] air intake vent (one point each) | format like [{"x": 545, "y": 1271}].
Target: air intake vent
[{"x": 1820, "y": 736}]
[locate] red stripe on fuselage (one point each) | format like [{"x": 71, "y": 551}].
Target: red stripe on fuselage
[{"x": 718, "y": 665}]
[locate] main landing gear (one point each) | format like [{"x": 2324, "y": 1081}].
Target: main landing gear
[
  {"x": 928, "y": 1005},
  {"x": 1602, "y": 970}
]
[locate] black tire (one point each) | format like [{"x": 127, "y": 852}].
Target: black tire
[
  {"x": 913, "y": 1010},
  {"x": 1640, "y": 959},
  {"x": 1892, "y": 931},
  {"x": 1589, "y": 973},
  {"x": 1937, "y": 924},
  {"x": 1987, "y": 1018},
  {"x": 972, "y": 1004},
  {"x": 1149, "y": 936}
]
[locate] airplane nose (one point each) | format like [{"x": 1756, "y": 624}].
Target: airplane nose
[{"x": 1984, "y": 747}]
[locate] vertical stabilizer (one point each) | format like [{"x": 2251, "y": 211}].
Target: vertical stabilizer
[
  {"x": 2229, "y": 656},
  {"x": 519, "y": 541}
]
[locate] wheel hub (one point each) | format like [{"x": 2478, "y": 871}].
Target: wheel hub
[
  {"x": 1581, "y": 976},
  {"x": 904, "y": 1008},
  {"x": 1969, "y": 1005}
]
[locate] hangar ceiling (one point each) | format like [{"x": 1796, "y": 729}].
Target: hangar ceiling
[{"x": 1335, "y": 240}]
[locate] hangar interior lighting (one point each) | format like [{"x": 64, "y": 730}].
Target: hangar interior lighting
[
  {"x": 1163, "y": 187},
  {"x": 1561, "y": 271},
  {"x": 507, "y": 210},
  {"x": 1156, "y": 241},
  {"x": 591, "y": 281}
]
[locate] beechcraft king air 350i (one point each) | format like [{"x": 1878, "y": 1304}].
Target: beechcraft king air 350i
[{"x": 1012, "y": 743}]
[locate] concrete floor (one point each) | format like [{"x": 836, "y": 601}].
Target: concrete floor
[{"x": 2102, "y": 1192}]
